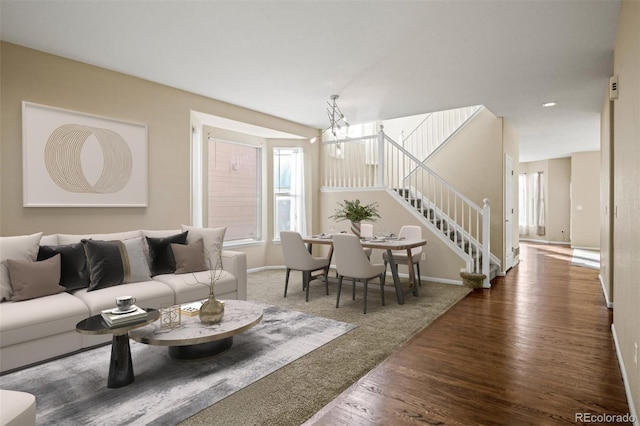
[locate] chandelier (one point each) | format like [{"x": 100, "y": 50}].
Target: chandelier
[{"x": 337, "y": 120}]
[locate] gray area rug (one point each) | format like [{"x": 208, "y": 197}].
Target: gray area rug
[
  {"x": 73, "y": 391},
  {"x": 295, "y": 392}
]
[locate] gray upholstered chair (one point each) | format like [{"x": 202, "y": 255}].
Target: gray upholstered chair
[
  {"x": 352, "y": 262},
  {"x": 298, "y": 258},
  {"x": 409, "y": 232},
  {"x": 366, "y": 231}
]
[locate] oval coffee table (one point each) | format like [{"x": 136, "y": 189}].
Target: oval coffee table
[{"x": 193, "y": 339}]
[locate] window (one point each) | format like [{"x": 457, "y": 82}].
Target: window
[
  {"x": 197, "y": 177},
  {"x": 523, "y": 205},
  {"x": 288, "y": 193},
  {"x": 234, "y": 189}
]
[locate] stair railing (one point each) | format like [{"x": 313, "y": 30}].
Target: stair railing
[
  {"x": 435, "y": 129},
  {"x": 379, "y": 161}
]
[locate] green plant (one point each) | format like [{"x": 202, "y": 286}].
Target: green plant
[{"x": 356, "y": 212}]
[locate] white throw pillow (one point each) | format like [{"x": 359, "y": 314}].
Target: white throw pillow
[
  {"x": 212, "y": 238},
  {"x": 20, "y": 248},
  {"x": 139, "y": 268}
]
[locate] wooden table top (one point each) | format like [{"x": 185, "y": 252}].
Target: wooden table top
[{"x": 374, "y": 242}]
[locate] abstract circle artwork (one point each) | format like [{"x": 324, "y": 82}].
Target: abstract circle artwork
[{"x": 63, "y": 159}]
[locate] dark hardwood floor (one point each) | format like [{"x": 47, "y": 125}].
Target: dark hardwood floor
[{"x": 536, "y": 349}]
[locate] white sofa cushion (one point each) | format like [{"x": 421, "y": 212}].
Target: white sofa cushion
[
  {"x": 212, "y": 239},
  {"x": 76, "y": 238},
  {"x": 163, "y": 233},
  {"x": 17, "y": 408},
  {"x": 20, "y": 248},
  {"x": 36, "y": 318},
  {"x": 187, "y": 289},
  {"x": 148, "y": 294},
  {"x": 49, "y": 240}
]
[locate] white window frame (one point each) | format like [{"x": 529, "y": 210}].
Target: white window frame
[
  {"x": 199, "y": 177},
  {"x": 295, "y": 193}
]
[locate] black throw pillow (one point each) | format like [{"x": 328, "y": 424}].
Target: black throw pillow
[
  {"x": 104, "y": 260},
  {"x": 74, "y": 274},
  {"x": 160, "y": 253}
]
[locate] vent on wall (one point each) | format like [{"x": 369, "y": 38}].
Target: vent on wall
[{"x": 613, "y": 88}]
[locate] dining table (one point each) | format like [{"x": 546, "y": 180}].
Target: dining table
[{"x": 390, "y": 244}]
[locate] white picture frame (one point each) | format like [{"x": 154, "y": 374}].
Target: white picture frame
[{"x": 74, "y": 159}]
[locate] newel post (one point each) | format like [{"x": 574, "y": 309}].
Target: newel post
[
  {"x": 486, "y": 244},
  {"x": 380, "y": 181}
]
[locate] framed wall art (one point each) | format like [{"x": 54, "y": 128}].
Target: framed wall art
[{"x": 73, "y": 159}]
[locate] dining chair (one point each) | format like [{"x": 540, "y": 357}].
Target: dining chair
[
  {"x": 409, "y": 232},
  {"x": 298, "y": 258},
  {"x": 366, "y": 231},
  {"x": 352, "y": 262}
]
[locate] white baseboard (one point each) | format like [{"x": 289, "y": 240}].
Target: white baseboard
[
  {"x": 264, "y": 268},
  {"x": 625, "y": 378},
  {"x": 585, "y": 248},
  {"x": 604, "y": 291},
  {"x": 532, "y": 240}
]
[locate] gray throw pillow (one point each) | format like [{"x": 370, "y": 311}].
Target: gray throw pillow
[
  {"x": 189, "y": 258},
  {"x": 161, "y": 260},
  {"x": 74, "y": 274},
  {"x": 34, "y": 279},
  {"x": 137, "y": 259},
  {"x": 104, "y": 261}
]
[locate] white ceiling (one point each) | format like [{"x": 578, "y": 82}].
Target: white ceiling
[{"x": 386, "y": 59}]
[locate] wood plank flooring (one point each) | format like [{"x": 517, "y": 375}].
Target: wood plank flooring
[{"x": 537, "y": 348}]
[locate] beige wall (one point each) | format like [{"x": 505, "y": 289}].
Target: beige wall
[
  {"x": 511, "y": 148},
  {"x": 557, "y": 183},
  {"x": 478, "y": 155},
  {"x": 626, "y": 175},
  {"x": 606, "y": 201},
  {"x": 585, "y": 200},
  {"x": 29, "y": 75}
]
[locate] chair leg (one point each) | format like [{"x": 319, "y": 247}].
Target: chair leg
[
  {"x": 326, "y": 279},
  {"x": 382, "y": 287},
  {"x": 339, "y": 289},
  {"x": 366, "y": 285},
  {"x": 418, "y": 277},
  {"x": 306, "y": 297},
  {"x": 286, "y": 282},
  {"x": 353, "y": 296}
]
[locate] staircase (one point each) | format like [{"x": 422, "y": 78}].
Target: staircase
[
  {"x": 379, "y": 161},
  {"x": 435, "y": 129},
  {"x": 446, "y": 227}
]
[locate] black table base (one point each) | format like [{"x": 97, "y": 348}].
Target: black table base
[
  {"x": 121, "y": 367},
  {"x": 201, "y": 350}
]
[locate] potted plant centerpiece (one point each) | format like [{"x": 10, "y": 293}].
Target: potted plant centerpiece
[{"x": 355, "y": 212}]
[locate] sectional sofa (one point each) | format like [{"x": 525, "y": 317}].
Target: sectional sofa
[{"x": 50, "y": 283}]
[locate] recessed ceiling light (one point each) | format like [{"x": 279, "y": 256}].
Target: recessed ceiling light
[{"x": 549, "y": 104}]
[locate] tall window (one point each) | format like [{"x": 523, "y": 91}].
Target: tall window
[
  {"x": 197, "y": 177},
  {"x": 234, "y": 189},
  {"x": 538, "y": 203},
  {"x": 288, "y": 191},
  {"x": 523, "y": 205}
]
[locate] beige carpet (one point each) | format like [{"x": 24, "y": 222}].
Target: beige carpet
[{"x": 295, "y": 392}]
